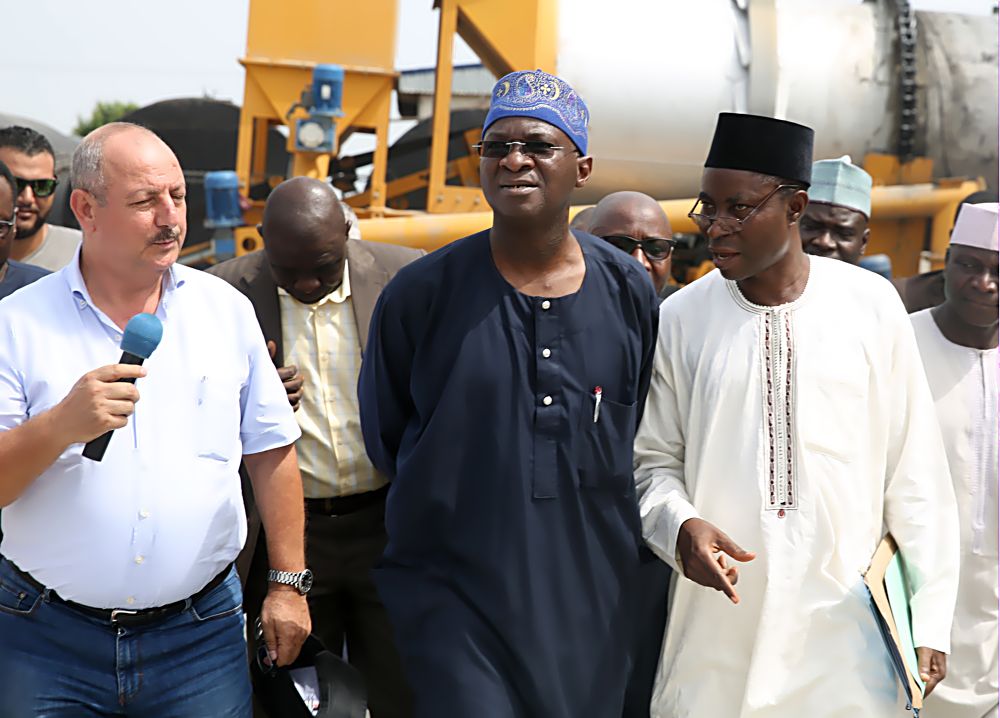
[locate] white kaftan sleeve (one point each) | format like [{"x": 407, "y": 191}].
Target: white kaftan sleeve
[
  {"x": 664, "y": 503},
  {"x": 920, "y": 508}
]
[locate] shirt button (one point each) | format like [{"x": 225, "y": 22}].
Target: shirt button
[
  {"x": 546, "y": 304},
  {"x": 547, "y": 401},
  {"x": 130, "y": 600},
  {"x": 140, "y": 558},
  {"x": 546, "y": 352},
  {"x": 144, "y": 514}
]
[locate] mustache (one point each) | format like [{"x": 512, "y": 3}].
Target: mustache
[{"x": 167, "y": 234}]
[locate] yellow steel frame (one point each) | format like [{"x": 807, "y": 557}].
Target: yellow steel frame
[
  {"x": 285, "y": 41},
  {"x": 507, "y": 36},
  {"x": 910, "y": 211},
  {"x": 466, "y": 169}
]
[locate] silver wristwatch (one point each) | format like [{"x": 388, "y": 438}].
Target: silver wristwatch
[{"x": 301, "y": 581}]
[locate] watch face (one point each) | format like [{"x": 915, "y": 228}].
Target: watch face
[{"x": 305, "y": 582}]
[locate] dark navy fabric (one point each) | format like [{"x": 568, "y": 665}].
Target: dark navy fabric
[
  {"x": 650, "y": 626},
  {"x": 513, "y": 554},
  {"x": 19, "y": 275}
]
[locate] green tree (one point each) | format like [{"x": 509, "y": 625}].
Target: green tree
[{"x": 102, "y": 114}]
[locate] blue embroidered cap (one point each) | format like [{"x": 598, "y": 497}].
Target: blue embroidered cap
[{"x": 545, "y": 97}]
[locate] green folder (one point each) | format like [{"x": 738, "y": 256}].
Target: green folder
[
  {"x": 899, "y": 591},
  {"x": 890, "y": 602}
]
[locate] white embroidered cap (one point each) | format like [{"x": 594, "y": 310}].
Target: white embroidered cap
[
  {"x": 976, "y": 226},
  {"x": 841, "y": 183}
]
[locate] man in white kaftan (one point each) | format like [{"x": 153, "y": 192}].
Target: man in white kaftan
[
  {"x": 803, "y": 429},
  {"x": 958, "y": 344}
]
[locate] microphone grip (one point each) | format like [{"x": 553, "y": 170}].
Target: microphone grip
[{"x": 95, "y": 448}]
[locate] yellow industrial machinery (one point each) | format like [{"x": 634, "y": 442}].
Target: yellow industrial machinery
[
  {"x": 285, "y": 43},
  {"x": 288, "y": 41}
]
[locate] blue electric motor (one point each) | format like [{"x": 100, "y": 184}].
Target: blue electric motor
[
  {"x": 327, "y": 91},
  {"x": 222, "y": 199}
]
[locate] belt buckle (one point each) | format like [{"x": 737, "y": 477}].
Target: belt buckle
[{"x": 121, "y": 612}]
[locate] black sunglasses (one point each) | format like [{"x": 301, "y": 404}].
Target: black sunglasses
[
  {"x": 40, "y": 187},
  {"x": 496, "y": 149},
  {"x": 656, "y": 249}
]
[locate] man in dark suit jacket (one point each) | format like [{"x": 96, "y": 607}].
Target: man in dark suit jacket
[{"x": 314, "y": 290}]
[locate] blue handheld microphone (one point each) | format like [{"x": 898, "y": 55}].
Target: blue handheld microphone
[{"x": 142, "y": 335}]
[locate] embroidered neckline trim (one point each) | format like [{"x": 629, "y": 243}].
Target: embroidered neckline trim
[{"x": 742, "y": 301}]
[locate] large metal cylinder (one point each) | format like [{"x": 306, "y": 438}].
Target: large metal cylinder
[
  {"x": 655, "y": 75},
  {"x": 957, "y": 97}
]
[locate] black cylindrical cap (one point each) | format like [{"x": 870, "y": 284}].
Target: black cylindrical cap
[{"x": 762, "y": 144}]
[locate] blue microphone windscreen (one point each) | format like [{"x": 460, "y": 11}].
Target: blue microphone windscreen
[{"x": 142, "y": 335}]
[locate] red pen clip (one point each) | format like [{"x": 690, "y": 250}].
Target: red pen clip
[{"x": 598, "y": 393}]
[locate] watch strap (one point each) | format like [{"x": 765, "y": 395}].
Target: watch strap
[{"x": 289, "y": 578}]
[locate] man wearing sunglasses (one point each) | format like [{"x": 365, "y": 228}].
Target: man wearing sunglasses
[
  {"x": 796, "y": 418},
  {"x": 636, "y": 224},
  {"x": 13, "y": 275},
  {"x": 500, "y": 391},
  {"x": 31, "y": 159}
]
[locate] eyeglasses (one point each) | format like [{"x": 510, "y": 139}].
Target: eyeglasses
[
  {"x": 656, "y": 249},
  {"x": 7, "y": 227},
  {"x": 496, "y": 149},
  {"x": 39, "y": 187},
  {"x": 731, "y": 225}
]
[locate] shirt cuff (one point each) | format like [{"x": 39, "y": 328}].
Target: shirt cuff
[
  {"x": 663, "y": 537},
  {"x": 271, "y": 439},
  {"x": 930, "y": 631}
]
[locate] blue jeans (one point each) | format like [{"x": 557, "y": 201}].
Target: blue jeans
[{"x": 57, "y": 662}]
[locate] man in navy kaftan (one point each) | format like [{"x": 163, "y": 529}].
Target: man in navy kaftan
[
  {"x": 512, "y": 518},
  {"x": 505, "y": 422}
]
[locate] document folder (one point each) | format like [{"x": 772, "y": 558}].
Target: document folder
[{"x": 890, "y": 602}]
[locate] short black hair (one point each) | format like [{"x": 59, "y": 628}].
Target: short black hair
[
  {"x": 7, "y": 176},
  {"x": 975, "y": 198},
  {"x": 26, "y": 140}
]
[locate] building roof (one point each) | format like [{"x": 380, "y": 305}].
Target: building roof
[{"x": 469, "y": 80}]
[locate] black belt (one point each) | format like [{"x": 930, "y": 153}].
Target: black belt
[
  {"x": 124, "y": 617},
  {"x": 343, "y": 505}
]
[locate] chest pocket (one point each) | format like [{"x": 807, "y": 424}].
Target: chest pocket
[
  {"x": 835, "y": 400},
  {"x": 604, "y": 455},
  {"x": 217, "y": 417}
]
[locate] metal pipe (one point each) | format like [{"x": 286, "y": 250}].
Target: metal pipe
[
  {"x": 652, "y": 116},
  {"x": 918, "y": 200},
  {"x": 431, "y": 231}
]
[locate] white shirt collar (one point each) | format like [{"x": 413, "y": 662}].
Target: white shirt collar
[{"x": 74, "y": 280}]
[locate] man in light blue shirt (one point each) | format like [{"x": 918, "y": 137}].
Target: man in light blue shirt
[{"x": 117, "y": 593}]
